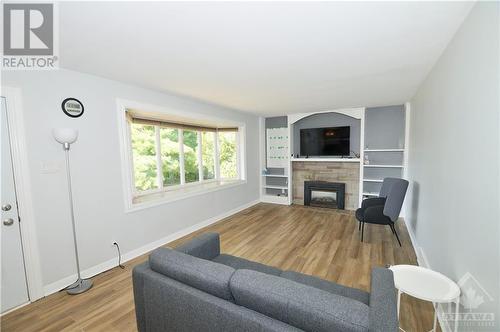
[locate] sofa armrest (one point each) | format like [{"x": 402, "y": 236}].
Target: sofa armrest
[
  {"x": 205, "y": 246},
  {"x": 383, "y": 301},
  {"x": 138, "y": 274}
]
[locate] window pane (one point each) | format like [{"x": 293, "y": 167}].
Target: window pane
[
  {"x": 144, "y": 156},
  {"x": 208, "y": 154},
  {"x": 190, "y": 156},
  {"x": 227, "y": 155},
  {"x": 169, "y": 139}
]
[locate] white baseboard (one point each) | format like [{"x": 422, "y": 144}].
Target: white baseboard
[
  {"x": 14, "y": 309},
  {"x": 90, "y": 272},
  {"x": 421, "y": 260},
  {"x": 424, "y": 262}
]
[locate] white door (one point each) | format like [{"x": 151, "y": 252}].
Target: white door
[{"x": 14, "y": 291}]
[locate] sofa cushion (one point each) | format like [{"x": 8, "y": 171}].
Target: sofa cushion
[
  {"x": 207, "y": 276},
  {"x": 299, "y": 305},
  {"x": 241, "y": 263},
  {"x": 353, "y": 293}
]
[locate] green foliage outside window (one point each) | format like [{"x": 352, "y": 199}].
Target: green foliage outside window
[
  {"x": 227, "y": 155},
  {"x": 191, "y": 156},
  {"x": 169, "y": 145},
  {"x": 144, "y": 157},
  {"x": 208, "y": 154},
  {"x": 143, "y": 140}
]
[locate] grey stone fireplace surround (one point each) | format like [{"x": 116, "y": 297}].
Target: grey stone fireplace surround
[{"x": 339, "y": 172}]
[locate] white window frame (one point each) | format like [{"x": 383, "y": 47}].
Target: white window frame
[{"x": 166, "y": 194}]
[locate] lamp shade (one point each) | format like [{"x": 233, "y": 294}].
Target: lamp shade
[{"x": 65, "y": 135}]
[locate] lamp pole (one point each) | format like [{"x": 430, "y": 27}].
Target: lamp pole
[{"x": 66, "y": 137}]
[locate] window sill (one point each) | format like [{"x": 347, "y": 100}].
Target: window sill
[{"x": 159, "y": 198}]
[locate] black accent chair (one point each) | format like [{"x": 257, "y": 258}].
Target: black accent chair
[{"x": 385, "y": 209}]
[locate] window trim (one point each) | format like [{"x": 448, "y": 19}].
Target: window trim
[
  {"x": 163, "y": 197},
  {"x": 128, "y": 179}
]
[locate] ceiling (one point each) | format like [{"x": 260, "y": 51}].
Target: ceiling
[{"x": 267, "y": 58}]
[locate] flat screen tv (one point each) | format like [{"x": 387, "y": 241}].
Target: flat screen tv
[{"x": 333, "y": 141}]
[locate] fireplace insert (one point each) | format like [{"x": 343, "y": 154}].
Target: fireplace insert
[{"x": 324, "y": 194}]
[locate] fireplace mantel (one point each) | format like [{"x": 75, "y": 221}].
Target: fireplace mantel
[{"x": 328, "y": 160}]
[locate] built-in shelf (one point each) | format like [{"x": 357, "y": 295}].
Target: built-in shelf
[
  {"x": 373, "y": 180},
  {"x": 275, "y": 175},
  {"x": 370, "y": 194},
  {"x": 275, "y": 187},
  {"x": 342, "y": 160},
  {"x": 385, "y": 166},
  {"x": 384, "y": 150}
]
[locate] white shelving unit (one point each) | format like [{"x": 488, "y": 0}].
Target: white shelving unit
[
  {"x": 384, "y": 150},
  {"x": 373, "y": 180},
  {"x": 274, "y": 185},
  {"x": 384, "y": 147},
  {"x": 384, "y": 166},
  {"x": 275, "y": 175}
]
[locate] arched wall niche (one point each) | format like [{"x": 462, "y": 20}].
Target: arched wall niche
[
  {"x": 356, "y": 113},
  {"x": 335, "y": 118}
]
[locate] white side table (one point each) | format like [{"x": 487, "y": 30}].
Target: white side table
[{"x": 426, "y": 285}]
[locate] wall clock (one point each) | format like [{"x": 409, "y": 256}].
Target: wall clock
[{"x": 72, "y": 107}]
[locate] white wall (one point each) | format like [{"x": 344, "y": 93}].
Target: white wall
[
  {"x": 454, "y": 157},
  {"x": 96, "y": 171}
]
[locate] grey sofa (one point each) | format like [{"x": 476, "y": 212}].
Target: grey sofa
[{"x": 196, "y": 288}]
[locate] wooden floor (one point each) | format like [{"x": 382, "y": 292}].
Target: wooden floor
[{"x": 315, "y": 241}]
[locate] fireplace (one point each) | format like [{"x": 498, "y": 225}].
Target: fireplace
[{"x": 324, "y": 194}]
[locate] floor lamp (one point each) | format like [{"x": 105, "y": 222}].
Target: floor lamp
[{"x": 68, "y": 136}]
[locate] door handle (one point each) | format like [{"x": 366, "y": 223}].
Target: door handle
[
  {"x": 8, "y": 222},
  {"x": 6, "y": 207}
]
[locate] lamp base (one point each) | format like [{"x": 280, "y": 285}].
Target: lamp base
[{"x": 80, "y": 286}]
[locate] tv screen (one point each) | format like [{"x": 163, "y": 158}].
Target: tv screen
[{"x": 332, "y": 141}]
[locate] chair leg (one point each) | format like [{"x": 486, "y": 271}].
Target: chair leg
[
  {"x": 396, "y": 233},
  {"x": 362, "y": 230},
  {"x": 359, "y": 226},
  {"x": 392, "y": 230}
]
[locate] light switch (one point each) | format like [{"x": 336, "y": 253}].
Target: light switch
[{"x": 48, "y": 167}]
